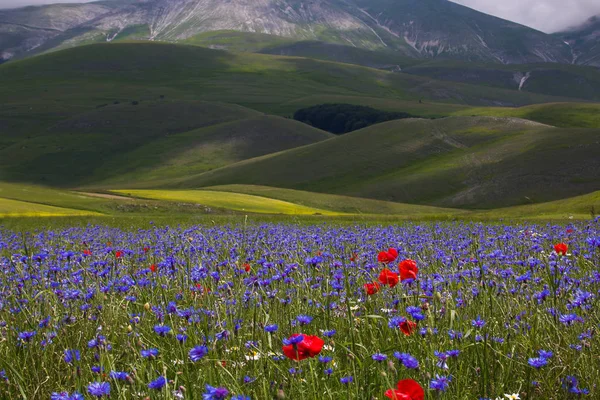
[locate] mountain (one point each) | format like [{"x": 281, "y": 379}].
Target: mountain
[
  {"x": 584, "y": 41},
  {"x": 414, "y": 28}
]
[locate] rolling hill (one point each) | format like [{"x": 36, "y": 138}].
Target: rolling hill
[
  {"x": 467, "y": 162},
  {"x": 152, "y": 140}
]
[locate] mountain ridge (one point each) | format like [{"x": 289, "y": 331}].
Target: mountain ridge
[{"x": 419, "y": 29}]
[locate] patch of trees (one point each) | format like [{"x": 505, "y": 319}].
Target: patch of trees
[{"x": 344, "y": 118}]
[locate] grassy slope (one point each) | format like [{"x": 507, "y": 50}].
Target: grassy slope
[
  {"x": 550, "y": 79},
  {"x": 151, "y": 140},
  {"x": 564, "y": 115},
  {"x": 232, "y": 201},
  {"x": 344, "y": 204},
  {"x": 578, "y": 207},
  {"x": 462, "y": 161},
  {"x": 15, "y": 208}
]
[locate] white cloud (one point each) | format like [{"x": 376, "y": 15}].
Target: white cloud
[{"x": 545, "y": 15}]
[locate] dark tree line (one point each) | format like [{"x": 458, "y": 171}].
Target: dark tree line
[{"x": 344, "y": 118}]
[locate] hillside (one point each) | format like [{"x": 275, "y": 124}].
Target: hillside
[
  {"x": 153, "y": 140},
  {"x": 584, "y": 41},
  {"x": 549, "y": 79},
  {"x": 415, "y": 28},
  {"x": 453, "y": 162}
]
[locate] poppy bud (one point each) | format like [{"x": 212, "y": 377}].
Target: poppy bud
[
  {"x": 280, "y": 394},
  {"x": 147, "y": 306},
  {"x": 129, "y": 328},
  {"x": 425, "y": 306}
]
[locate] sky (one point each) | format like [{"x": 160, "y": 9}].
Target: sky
[{"x": 545, "y": 15}]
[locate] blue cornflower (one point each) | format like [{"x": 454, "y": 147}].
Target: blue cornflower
[
  {"x": 347, "y": 380},
  {"x": 181, "y": 337},
  {"x": 249, "y": 379},
  {"x": 328, "y": 371},
  {"x": 569, "y": 319},
  {"x": 240, "y": 397},
  {"x": 407, "y": 360},
  {"x": 99, "y": 389},
  {"x": 329, "y": 333},
  {"x": 162, "y": 330},
  {"x": 325, "y": 359},
  {"x": 27, "y": 336},
  {"x": 213, "y": 393},
  {"x": 197, "y": 353},
  {"x": 293, "y": 340},
  {"x": 271, "y": 328},
  {"x": 379, "y": 357},
  {"x": 158, "y": 383},
  {"x": 119, "y": 375},
  {"x": 478, "y": 322},
  {"x": 538, "y": 362},
  {"x": 395, "y": 322},
  {"x": 304, "y": 319},
  {"x": 149, "y": 353},
  {"x": 440, "y": 383},
  {"x": 66, "y": 396},
  {"x": 545, "y": 354},
  {"x": 72, "y": 355}
]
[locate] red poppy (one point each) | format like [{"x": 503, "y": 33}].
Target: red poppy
[
  {"x": 561, "y": 248},
  {"x": 247, "y": 267},
  {"x": 371, "y": 288},
  {"x": 146, "y": 249},
  {"x": 119, "y": 254},
  {"x": 353, "y": 257},
  {"x": 87, "y": 252},
  {"x": 408, "y": 269},
  {"x": 388, "y": 277},
  {"x": 407, "y": 389},
  {"x": 387, "y": 256},
  {"x": 153, "y": 268},
  {"x": 407, "y": 327},
  {"x": 569, "y": 230},
  {"x": 309, "y": 346}
]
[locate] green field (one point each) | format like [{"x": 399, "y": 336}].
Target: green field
[
  {"x": 231, "y": 201},
  {"x": 15, "y": 208}
]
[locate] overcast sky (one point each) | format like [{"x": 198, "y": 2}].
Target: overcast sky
[{"x": 545, "y": 15}]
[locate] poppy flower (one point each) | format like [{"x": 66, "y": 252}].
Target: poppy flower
[
  {"x": 153, "y": 268},
  {"x": 247, "y": 267},
  {"x": 387, "y": 256},
  {"x": 388, "y": 277},
  {"x": 406, "y": 389},
  {"x": 119, "y": 254},
  {"x": 298, "y": 346},
  {"x": 146, "y": 249},
  {"x": 407, "y": 327},
  {"x": 87, "y": 252},
  {"x": 371, "y": 288},
  {"x": 408, "y": 269},
  {"x": 561, "y": 248}
]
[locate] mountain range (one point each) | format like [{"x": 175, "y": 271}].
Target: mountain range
[{"x": 420, "y": 29}]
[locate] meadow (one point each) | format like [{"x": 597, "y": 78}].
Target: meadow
[{"x": 200, "y": 311}]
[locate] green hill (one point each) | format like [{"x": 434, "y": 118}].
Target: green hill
[
  {"x": 549, "y": 79},
  {"x": 453, "y": 162},
  {"x": 563, "y": 115},
  {"x": 149, "y": 140}
]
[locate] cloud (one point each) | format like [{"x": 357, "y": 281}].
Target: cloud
[{"x": 545, "y": 15}]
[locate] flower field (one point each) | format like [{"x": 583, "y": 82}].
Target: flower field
[{"x": 280, "y": 311}]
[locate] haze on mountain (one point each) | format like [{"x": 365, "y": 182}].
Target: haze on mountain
[{"x": 414, "y": 28}]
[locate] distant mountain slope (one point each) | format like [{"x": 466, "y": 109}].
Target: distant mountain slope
[
  {"x": 458, "y": 162},
  {"x": 584, "y": 42},
  {"x": 414, "y": 28}
]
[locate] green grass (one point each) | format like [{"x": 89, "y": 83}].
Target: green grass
[
  {"x": 15, "y": 208},
  {"x": 337, "y": 203},
  {"x": 564, "y": 115},
  {"x": 231, "y": 201},
  {"x": 468, "y": 162}
]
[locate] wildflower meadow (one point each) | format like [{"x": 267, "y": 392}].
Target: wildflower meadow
[{"x": 281, "y": 311}]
